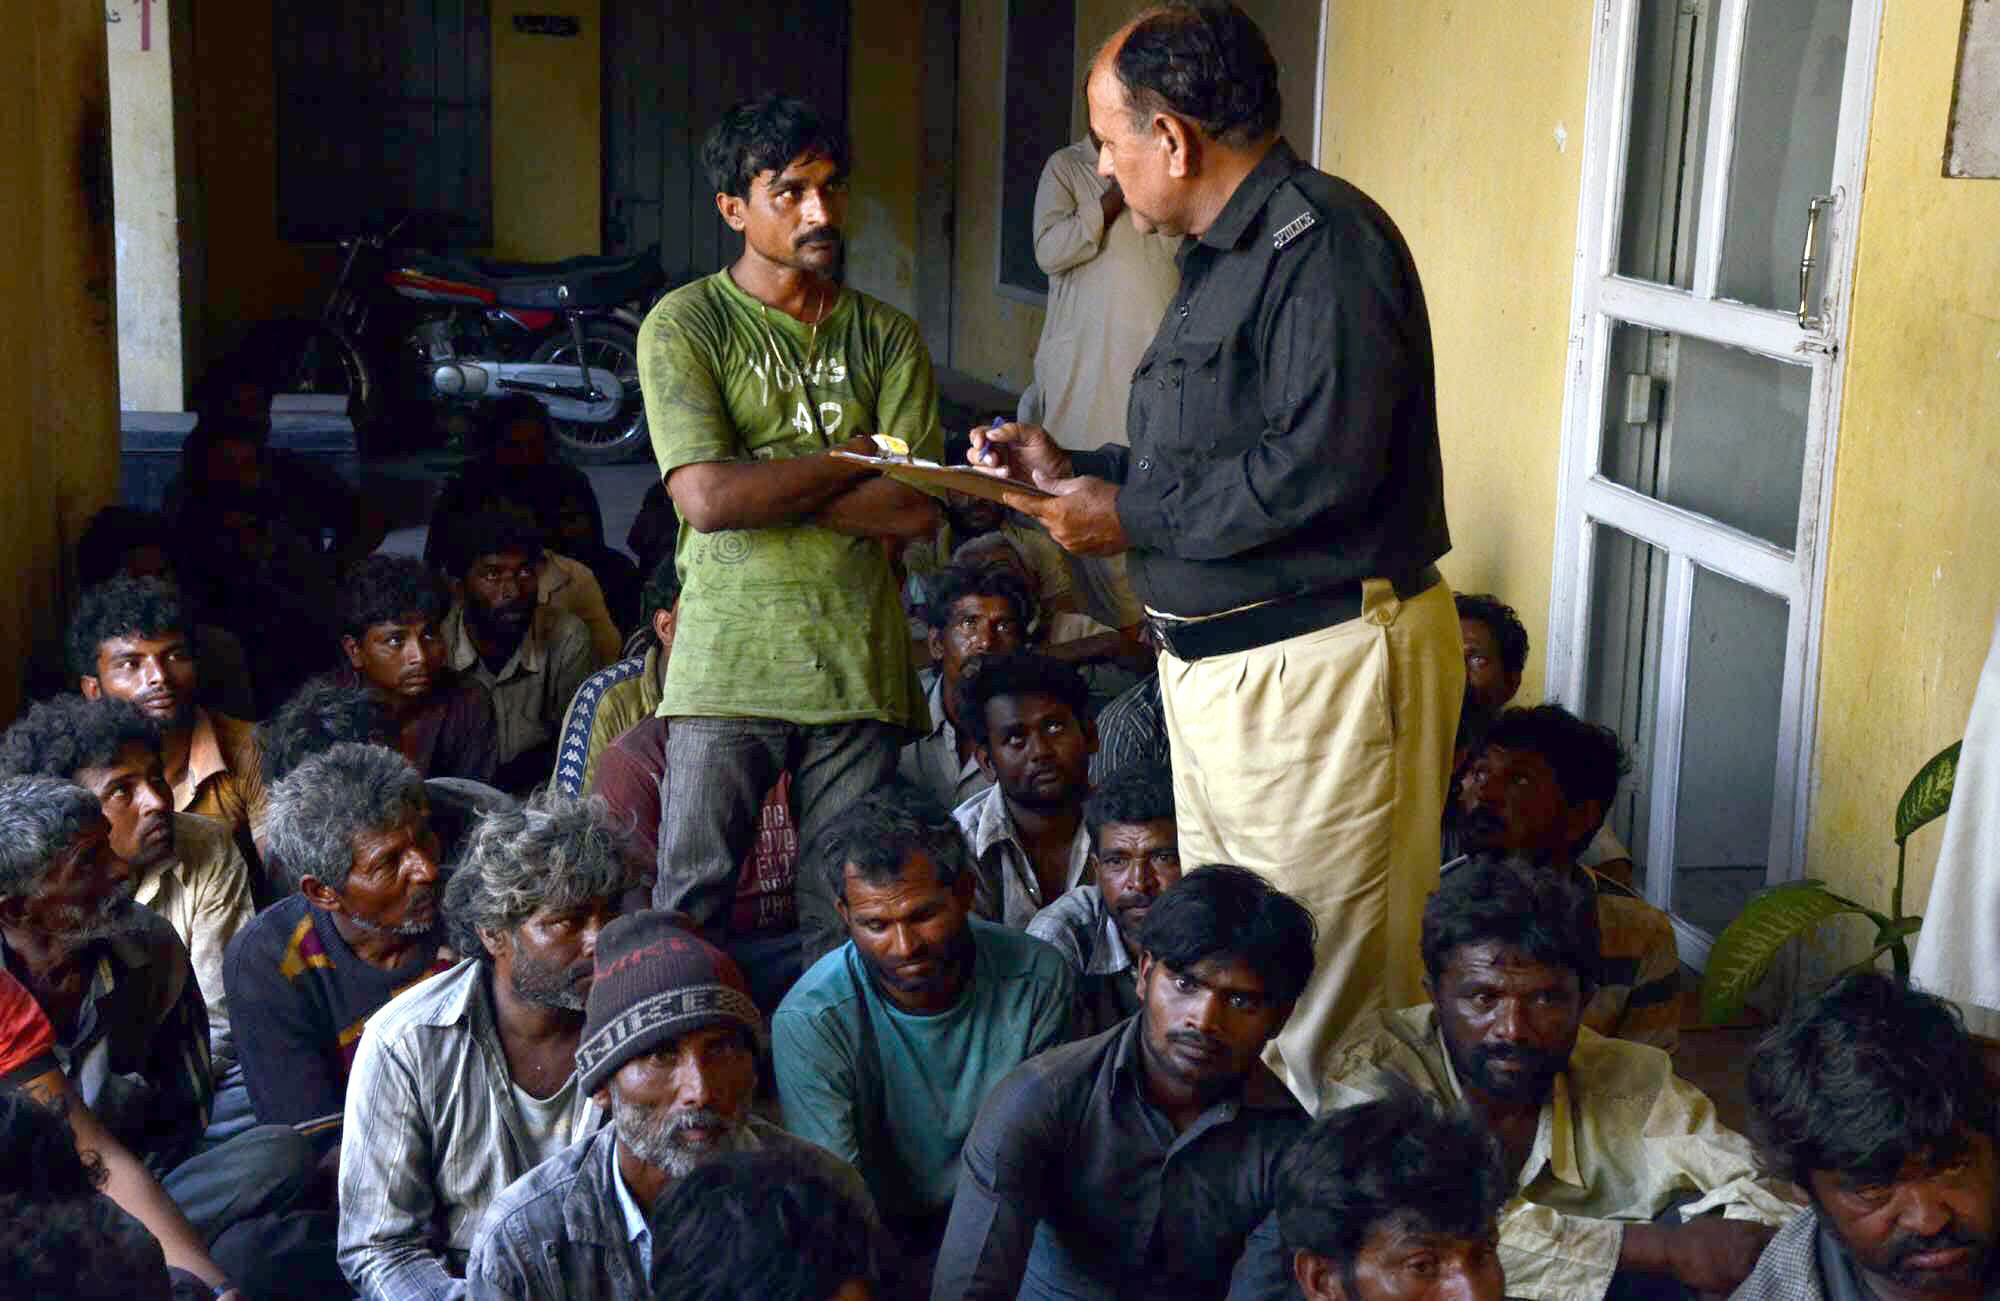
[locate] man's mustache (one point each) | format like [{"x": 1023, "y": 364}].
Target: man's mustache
[
  {"x": 818, "y": 235},
  {"x": 1901, "y": 1249}
]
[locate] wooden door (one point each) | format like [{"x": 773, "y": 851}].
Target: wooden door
[{"x": 671, "y": 67}]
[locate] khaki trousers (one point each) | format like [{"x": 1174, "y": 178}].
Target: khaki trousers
[{"x": 1320, "y": 763}]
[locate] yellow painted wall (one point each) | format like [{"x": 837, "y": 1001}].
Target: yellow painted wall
[
  {"x": 993, "y": 337},
  {"x": 1463, "y": 152},
  {"x": 1448, "y": 116},
  {"x": 885, "y": 128},
  {"x": 251, "y": 275},
  {"x": 546, "y": 160},
  {"x": 1913, "y": 572},
  {"x": 59, "y": 421},
  {"x": 547, "y": 127}
]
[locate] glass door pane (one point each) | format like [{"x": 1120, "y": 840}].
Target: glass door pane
[
  {"x": 1670, "y": 94},
  {"x": 1794, "y": 63},
  {"x": 1709, "y": 428},
  {"x": 1621, "y": 686},
  {"x": 1729, "y": 749}
]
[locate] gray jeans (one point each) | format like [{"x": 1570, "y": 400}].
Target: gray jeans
[{"x": 718, "y": 772}]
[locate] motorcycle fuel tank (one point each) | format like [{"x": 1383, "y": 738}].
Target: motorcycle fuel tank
[{"x": 556, "y": 386}]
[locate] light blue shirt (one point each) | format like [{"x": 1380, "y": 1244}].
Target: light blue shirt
[{"x": 636, "y": 1230}]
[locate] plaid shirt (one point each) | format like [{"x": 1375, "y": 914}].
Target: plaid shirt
[
  {"x": 434, "y": 1136},
  {"x": 1794, "y": 1267}
]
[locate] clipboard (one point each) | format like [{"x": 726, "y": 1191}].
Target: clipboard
[{"x": 967, "y": 479}]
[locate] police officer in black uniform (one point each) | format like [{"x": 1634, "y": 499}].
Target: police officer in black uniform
[{"x": 1282, "y": 504}]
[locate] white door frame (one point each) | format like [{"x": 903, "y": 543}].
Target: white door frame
[{"x": 1584, "y": 497}]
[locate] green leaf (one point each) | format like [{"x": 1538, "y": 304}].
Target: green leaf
[
  {"x": 1929, "y": 793},
  {"x": 1743, "y": 953}
]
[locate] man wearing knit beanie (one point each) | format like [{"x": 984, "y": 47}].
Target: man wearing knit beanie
[{"x": 670, "y": 1045}]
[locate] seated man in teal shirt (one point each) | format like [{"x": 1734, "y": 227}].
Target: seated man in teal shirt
[{"x": 887, "y": 1046}]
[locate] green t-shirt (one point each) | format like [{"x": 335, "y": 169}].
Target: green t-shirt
[
  {"x": 895, "y": 1094},
  {"x": 797, "y": 623}
]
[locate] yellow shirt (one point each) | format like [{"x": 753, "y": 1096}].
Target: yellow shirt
[
  {"x": 204, "y": 893},
  {"x": 1620, "y": 1138}
]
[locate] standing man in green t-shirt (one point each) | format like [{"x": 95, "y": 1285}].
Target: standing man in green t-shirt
[{"x": 791, "y": 650}]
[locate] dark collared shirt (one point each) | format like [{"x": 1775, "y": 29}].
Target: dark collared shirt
[
  {"x": 1283, "y": 423},
  {"x": 1073, "y": 1185},
  {"x": 137, "y": 1052}
]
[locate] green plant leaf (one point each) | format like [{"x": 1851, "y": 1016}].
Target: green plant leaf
[
  {"x": 1746, "y": 949},
  {"x": 1929, "y": 793}
]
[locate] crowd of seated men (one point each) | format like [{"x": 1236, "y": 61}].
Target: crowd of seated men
[
  {"x": 345, "y": 948},
  {"x": 328, "y": 1004}
]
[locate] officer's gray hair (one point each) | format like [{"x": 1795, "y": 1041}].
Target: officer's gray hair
[
  {"x": 40, "y": 817},
  {"x": 316, "y": 812}
]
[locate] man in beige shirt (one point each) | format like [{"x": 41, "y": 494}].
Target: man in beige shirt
[
  {"x": 530, "y": 657},
  {"x": 1616, "y": 1161},
  {"x": 1108, "y": 287},
  {"x": 185, "y": 866}
]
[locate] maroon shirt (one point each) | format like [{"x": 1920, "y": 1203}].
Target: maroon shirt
[
  {"x": 629, "y": 776},
  {"x": 454, "y": 735}
]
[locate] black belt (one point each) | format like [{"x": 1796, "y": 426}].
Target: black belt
[{"x": 1274, "y": 621}]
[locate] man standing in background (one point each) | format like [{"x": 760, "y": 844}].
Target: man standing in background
[{"x": 1109, "y": 285}]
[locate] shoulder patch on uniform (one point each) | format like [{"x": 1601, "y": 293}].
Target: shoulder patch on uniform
[{"x": 1292, "y": 229}]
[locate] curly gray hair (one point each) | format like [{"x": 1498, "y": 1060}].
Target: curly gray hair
[
  {"x": 40, "y": 817},
  {"x": 553, "y": 852},
  {"x": 319, "y": 808}
]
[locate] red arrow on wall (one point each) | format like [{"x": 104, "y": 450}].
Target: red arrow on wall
[{"x": 145, "y": 26}]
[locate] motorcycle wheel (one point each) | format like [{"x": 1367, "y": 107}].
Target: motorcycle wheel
[
  {"x": 310, "y": 357},
  {"x": 614, "y": 348}
]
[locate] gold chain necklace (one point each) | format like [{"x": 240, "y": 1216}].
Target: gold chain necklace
[{"x": 812, "y": 351}]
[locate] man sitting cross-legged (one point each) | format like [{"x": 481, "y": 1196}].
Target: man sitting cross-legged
[
  {"x": 1871, "y": 1099},
  {"x": 129, "y": 1027},
  {"x": 1538, "y": 785},
  {"x": 1144, "y": 1161},
  {"x": 530, "y": 658},
  {"x": 1134, "y": 855},
  {"x": 466, "y": 1082},
  {"x": 970, "y": 613},
  {"x": 1031, "y": 732},
  {"x": 669, "y": 1048},
  {"x": 391, "y": 614},
  {"x": 184, "y": 866},
  {"x": 615, "y": 747},
  {"x": 130, "y": 640},
  {"x": 1600, "y": 1136},
  {"x": 887, "y": 1046},
  {"x": 1395, "y": 1200},
  {"x": 349, "y": 829}
]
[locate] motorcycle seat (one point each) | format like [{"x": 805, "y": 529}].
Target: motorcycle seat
[{"x": 591, "y": 281}]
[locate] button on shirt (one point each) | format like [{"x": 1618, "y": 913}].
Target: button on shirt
[
  {"x": 432, "y": 1094},
  {"x": 1009, "y": 892},
  {"x": 1284, "y": 421},
  {"x": 1620, "y": 1138},
  {"x": 1081, "y": 928},
  {"x": 1074, "y": 1186}
]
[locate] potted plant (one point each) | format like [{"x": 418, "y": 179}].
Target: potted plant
[{"x": 1743, "y": 953}]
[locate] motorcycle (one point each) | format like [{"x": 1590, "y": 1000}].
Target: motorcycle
[{"x": 406, "y": 327}]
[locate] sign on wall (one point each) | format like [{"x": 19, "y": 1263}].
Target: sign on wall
[
  {"x": 1973, "y": 147},
  {"x": 547, "y": 24}
]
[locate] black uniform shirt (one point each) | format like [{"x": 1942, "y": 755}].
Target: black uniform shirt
[{"x": 1283, "y": 424}]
